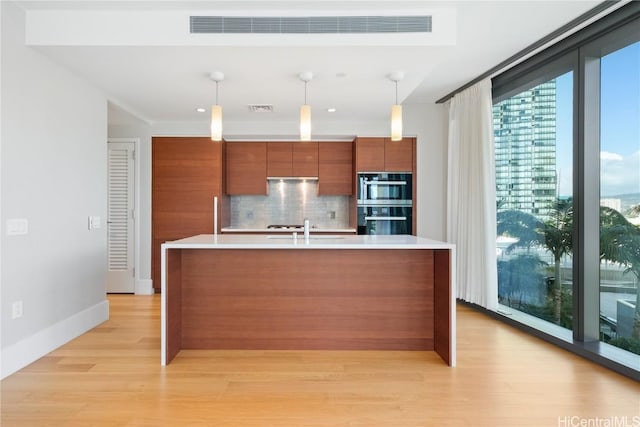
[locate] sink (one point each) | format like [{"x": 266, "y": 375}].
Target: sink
[{"x": 301, "y": 237}]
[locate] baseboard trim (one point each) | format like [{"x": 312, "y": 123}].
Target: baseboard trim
[
  {"x": 144, "y": 287},
  {"x": 32, "y": 348}
]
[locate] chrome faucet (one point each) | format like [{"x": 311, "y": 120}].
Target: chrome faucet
[{"x": 306, "y": 229}]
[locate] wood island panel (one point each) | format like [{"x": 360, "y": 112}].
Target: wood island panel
[
  {"x": 173, "y": 295},
  {"x": 442, "y": 304},
  {"x": 307, "y": 299}
]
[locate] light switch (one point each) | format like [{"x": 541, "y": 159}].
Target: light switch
[
  {"x": 17, "y": 226},
  {"x": 94, "y": 222}
]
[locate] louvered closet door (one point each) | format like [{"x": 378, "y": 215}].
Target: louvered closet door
[{"x": 120, "y": 277}]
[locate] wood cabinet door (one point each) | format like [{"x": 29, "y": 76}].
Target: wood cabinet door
[
  {"x": 370, "y": 154},
  {"x": 246, "y": 164},
  {"x": 279, "y": 159},
  {"x": 335, "y": 168},
  {"x": 305, "y": 159},
  {"x": 185, "y": 177},
  {"x": 398, "y": 155}
]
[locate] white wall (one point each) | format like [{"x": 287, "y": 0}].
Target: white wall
[
  {"x": 53, "y": 173},
  {"x": 428, "y": 123}
]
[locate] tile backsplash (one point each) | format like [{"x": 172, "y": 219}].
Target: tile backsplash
[{"x": 290, "y": 202}]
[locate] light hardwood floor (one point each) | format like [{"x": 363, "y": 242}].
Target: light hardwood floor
[{"x": 111, "y": 376}]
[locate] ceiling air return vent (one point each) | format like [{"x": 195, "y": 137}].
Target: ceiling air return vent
[
  {"x": 261, "y": 108},
  {"x": 310, "y": 25}
]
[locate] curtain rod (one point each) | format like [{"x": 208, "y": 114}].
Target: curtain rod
[{"x": 562, "y": 32}]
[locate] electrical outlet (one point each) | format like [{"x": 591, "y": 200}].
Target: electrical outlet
[
  {"x": 16, "y": 309},
  {"x": 17, "y": 226}
]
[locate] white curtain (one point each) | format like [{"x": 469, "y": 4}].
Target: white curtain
[{"x": 471, "y": 200}]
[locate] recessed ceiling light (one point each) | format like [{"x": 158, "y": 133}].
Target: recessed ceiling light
[
  {"x": 200, "y": 110},
  {"x": 331, "y": 110}
]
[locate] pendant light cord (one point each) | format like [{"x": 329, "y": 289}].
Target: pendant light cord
[
  {"x": 305, "y": 93},
  {"x": 217, "y": 93},
  {"x": 396, "y": 92}
]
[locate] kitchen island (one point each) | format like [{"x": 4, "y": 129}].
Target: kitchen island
[{"x": 278, "y": 292}]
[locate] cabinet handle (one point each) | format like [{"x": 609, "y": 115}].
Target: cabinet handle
[{"x": 385, "y": 218}]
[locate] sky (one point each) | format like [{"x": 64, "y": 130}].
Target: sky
[{"x": 620, "y": 124}]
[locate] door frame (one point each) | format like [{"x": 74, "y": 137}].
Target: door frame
[{"x": 139, "y": 285}]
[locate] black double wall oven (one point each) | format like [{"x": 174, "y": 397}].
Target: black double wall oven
[{"x": 385, "y": 203}]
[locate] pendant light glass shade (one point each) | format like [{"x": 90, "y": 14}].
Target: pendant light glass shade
[
  {"x": 305, "y": 109},
  {"x": 216, "y": 109},
  {"x": 305, "y": 123},
  {"x": 396, "y": 122},
  {"x": 396, "y": 109},
  {"x": 216, "y": 123}
]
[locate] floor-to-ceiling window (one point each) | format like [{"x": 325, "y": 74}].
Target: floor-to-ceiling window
[
  {"x": 620, "y": 197},
  {"x": 567, "y": 151},
  {"x": 533, "y": 140}
]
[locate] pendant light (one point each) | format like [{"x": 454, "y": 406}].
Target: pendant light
[
  {"x": 396, "y": 109},
  {"x": 305, "y": 110},
  {"x": 216, "y": 110}
]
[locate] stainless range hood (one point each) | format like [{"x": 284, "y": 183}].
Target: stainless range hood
[{"x": 292, "y": 178}]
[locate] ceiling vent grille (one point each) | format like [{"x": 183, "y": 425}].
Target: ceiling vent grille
[
  {"x": 261, "y": 108},
  {"x": 310, "y": 25}
]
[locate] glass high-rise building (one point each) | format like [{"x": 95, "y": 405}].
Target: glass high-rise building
[{"x": 525, "y": 140}]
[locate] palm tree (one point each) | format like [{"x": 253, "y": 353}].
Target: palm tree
[
  {"x": 521, "y": 225},
  {"x": 632, "y": 256},
  {"x": 620, "y": 242},
  {"x": 519, "y": 278},
  {"x": 634, "y": 211},
  {"x": 557, "y": 234}
]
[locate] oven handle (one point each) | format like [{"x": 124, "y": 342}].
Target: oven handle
[
  {"x": 385, "y": 218},
  {"x": 385, "y": 182}
]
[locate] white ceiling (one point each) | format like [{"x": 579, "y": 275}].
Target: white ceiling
[{"x": 164, "y": 78}]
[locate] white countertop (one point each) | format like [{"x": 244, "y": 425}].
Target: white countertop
[
  {"x": 281, "y": 241},
  {"x": 289, "y": 231}
]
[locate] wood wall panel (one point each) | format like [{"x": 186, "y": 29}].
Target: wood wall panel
[
  {"x": 186, "y": 176},
  {"x": 307, "y": 299}
]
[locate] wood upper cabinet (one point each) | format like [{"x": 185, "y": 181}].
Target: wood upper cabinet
[
  {"x": 246, "y": 167},
  {"x": 370, "y": 155},
  {"x": 398, "y": 155},
  {"x": 335, "y": 168},
  {"x": 292, "y": 159},
  {"x": 305, "y": 159},
  {"x": 384, "y": 155},
  {"x": 186, "y": 174}
]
